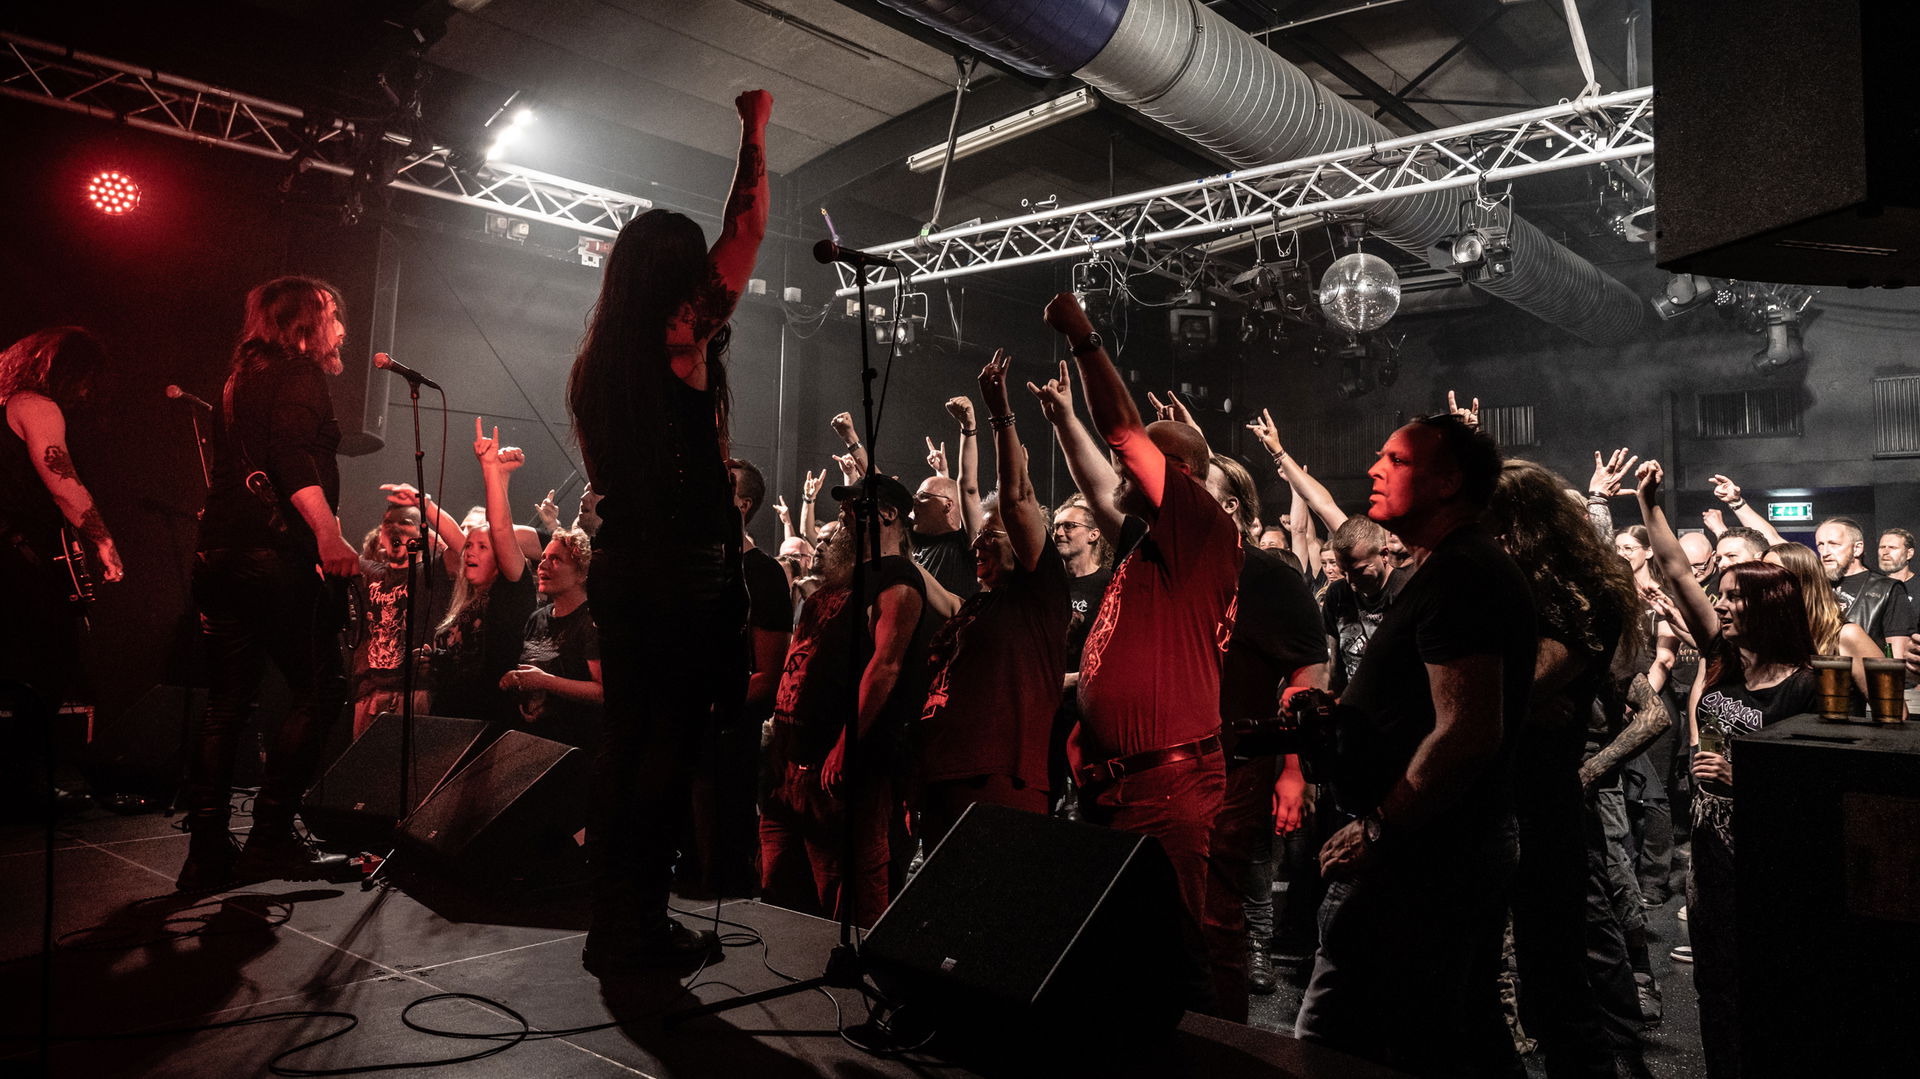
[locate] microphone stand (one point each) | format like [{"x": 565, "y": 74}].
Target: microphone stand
[{"x": 845, "y": 969}]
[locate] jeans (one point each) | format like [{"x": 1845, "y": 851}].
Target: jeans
[
  {"x": 670, "y": 656},
  {"x": 1610, "y": 958},
  {"x": 1649, "y": 806},
  {"x": 803, "y": 831},
  {"x": 256, "y": 605},
  {"x": 1410, "y": 953},
  {"x": 1623, "y": 886},
  {"x": 1245, "y": 821},
  {"x": 942, "y": 801},
  {"x": 1176, "y": 804}
]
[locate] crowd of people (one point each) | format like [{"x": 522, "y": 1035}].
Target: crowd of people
[{"x": 1531, "y": 703}]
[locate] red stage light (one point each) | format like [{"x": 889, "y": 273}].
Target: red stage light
[{"x": 113, "y": 193}]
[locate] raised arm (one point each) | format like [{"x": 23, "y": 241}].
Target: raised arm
[
  {"x": 1728, "y": 492},
  {"x": 439, "y": 524},
  {"x": 967, "y": 478},
  {"x": 39, "y": 423},
  {"x": 730, "y": 261},
  {"x": 843, "y": 426},
  {"x": 496, "y": 465},
  {"x": 809, "y": 494},
  {"x": 1694, "y": 609},
  {"x": 1091, "y": 471},
  {"x": 1305, "y": 487},
  {"x": 1115, "y": 415},
  {"x": 1608, "y": 473},
  {"x": 1020, "y": 508}
]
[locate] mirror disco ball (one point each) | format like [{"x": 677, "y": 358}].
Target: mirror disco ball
[{"x": 1360, "y": 293}]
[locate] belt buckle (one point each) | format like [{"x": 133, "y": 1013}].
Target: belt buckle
[{"x": 1116, "y": 768}]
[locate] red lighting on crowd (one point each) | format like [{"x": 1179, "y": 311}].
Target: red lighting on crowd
[{"x": 113, "y": 193}]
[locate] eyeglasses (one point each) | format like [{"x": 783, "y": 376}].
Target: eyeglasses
[{"x": 1068, "y": 526}]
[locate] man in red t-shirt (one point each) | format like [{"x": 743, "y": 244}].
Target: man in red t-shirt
[{"x": 1147, "y": 755}]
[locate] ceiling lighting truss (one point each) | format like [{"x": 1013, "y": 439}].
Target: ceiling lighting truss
[
  {"x": 183, "y": 108},
  {"x": 1615, "y": 128}
]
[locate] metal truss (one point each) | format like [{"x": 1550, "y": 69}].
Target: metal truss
[
  {"x": 171, "y": 105},
  {"x": 1151, "y": 227}
]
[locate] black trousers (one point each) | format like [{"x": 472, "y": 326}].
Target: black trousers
[
  {"x": 670, "y": 659},
  {"x": 1557, "y": 999},
  {"x": 260, "y": 605}
]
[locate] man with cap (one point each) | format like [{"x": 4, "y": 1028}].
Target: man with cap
[{"x": 834, "y": 672}]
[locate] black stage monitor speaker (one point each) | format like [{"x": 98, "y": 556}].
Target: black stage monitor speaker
[
  {"x": 1789, "y": 136},
  {"x": 1826, "y": 825},
  {"x": 522, "y": 795},
  {"x": 1020, "y": 924},
  {"x": 361, "y": 790}
]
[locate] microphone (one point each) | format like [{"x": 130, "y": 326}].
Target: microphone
[
  {"x": 178, "y": 394},
  {"x": 388, "y": 363},
  {"x": 828, "y": 251}
]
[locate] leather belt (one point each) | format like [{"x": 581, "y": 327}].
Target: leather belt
[{"x": 1088, "y": 775}]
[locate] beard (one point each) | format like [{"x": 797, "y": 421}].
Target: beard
[{"x": 833, "y": 562}]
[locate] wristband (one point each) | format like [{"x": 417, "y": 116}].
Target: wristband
[
  {"x": 854, "y": 445},
  {"x": 1279, "y": 457},
  {"x": 967, "y": 432},
  {"x": 807, "y": 501},
  {"x": 1595, "y": 496},
  {"x": 1737, "y": 504},
  {"x": 1001, "y": 423}
]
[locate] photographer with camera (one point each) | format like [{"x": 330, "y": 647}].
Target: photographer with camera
[{"x": 1412, "y": 922}]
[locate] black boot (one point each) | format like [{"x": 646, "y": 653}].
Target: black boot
[
  {"x": 275, "y": 852},
  {"x": 1260, "y": 978},
  {"x": 210, "y": 855}
]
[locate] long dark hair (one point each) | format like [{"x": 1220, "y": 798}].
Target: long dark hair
[
  {"x": 282, "y": 315},
  {"x": 59, "y": 363},
  {"x": 1773, "y": 621},
  {"x": 1577, "y": 580},
  {"x": 618, "y": 391}
]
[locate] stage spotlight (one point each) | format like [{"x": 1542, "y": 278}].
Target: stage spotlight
[
  {"x": 113, "y": 193},
  {"x": 1784, "y": 346},
  {"x": 1686, "y": 292},
  {"x": 1192, "y": 323},
  {"x": 506, "y": 135},
  {"x": 1479, "y": 253}
]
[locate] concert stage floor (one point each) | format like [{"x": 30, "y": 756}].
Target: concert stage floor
[{"x": 134, "y": 957}]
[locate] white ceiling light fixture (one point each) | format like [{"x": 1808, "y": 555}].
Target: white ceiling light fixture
[{"x": 1006, "y": 129}]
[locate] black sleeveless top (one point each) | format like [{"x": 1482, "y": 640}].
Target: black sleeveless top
[
  {"x": 26, "y": 508},
  {"x": 683, "y": 501}
]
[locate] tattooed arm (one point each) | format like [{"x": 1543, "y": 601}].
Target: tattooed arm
[
  {"x": 1650, "y": 716},
  {"x": 731, "y": 261},
  {"x": 41, "y": 425}
]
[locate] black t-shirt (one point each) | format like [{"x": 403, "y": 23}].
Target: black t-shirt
[
  {"x": 382, "y": 594},
  {"x": 1276, "y": 631},
  {"x": 563, "y": 646},
  {"x": 997, "y": 668},
  {"x": 1084, "y": 597},
  {"x": 26, "y": 508},
  {"x": 949, "y": 557},
  {"x": 683, "y": 500},
  {"x": 1732, "y": 709},
  {"x": 1860, "y": 598},
  {"x": 819, "y": 688},
  {"x": 769, "y": 602},
  {"x": 470, "y": 655},
  {"x": 1467, "y": 599},
  {"x": 282, "y": 425},
  {"x": 1352, "y": 621}
]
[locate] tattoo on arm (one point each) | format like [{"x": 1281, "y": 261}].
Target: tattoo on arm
[
  {"x": 93, "y": 528},
  {"x": 59, "y": 463},
  {"x": 1650, "y": 716},
  {"x": 712, "y": 304},
  {"x": 747, "y": 176}
]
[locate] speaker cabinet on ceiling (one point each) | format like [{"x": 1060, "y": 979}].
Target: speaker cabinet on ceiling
[
  {"x": 1021, "y": 930},
  {"x": 1827, "y": 853},
  {"x": 1788, "y": 136},
  {"x": 363, "y": 262}
]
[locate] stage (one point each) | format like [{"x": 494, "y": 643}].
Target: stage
[{"x": 134, "y": 957}]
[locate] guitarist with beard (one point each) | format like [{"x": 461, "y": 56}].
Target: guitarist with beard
[{"x": 43, "y": 376}]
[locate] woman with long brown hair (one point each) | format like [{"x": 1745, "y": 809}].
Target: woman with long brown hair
[
  {"x": 648, "y": 396},
  {"x": 1833, "y": 635},
  {"x": 1756, "y": 643}
]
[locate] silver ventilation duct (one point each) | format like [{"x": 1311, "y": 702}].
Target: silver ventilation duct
[{"x": 1193, "y": 71}]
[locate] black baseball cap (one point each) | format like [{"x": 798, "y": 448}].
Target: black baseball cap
[{"x": 887, "y": 490}]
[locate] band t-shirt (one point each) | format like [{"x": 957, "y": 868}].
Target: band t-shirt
[
  {"x": 1467, "y": 599},
  {"x": 1352, "y": 620},
  {"x": 997, "y": 666},
  {"x": 818, "y": 687},
  {"x": 382, "y": 650},
  {"x": 1150, "y": 673},
  {"x": 564, "y": 646},
  {"x": 1276, "y": 631},
  {"x": 1083, "y": 595},
  {"x": 949, "y": 557},
  {"x": 1732, "y": 709}
]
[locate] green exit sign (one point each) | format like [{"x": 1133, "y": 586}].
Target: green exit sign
[{"x": 1789, "y": 511}]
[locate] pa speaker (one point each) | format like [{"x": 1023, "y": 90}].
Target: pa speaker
[
  {"x": 1787, "y": 142},
  {"x": 360, "y": 791},
  {"x": 1019, "y": 924},
  {"x": 1828, "y": 909},
  {"x": 522, "y": 795}
]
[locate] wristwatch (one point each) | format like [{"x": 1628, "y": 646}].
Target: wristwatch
[
  {"x": 1089, "y": 343},
  {"x": 1374, "y": 827}
]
